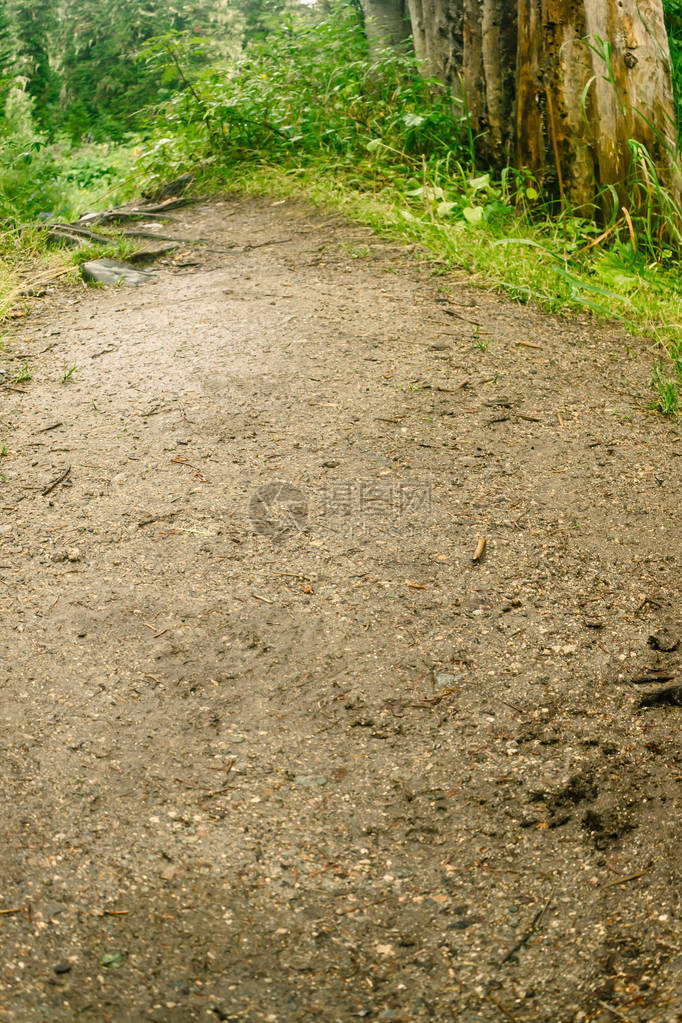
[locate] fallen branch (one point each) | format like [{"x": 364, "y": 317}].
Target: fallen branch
[{"x": 628, "y": 877}]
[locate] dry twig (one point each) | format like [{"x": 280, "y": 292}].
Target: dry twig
[{"x": 55, "y": 482}]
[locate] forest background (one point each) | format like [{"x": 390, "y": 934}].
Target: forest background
[{"x": 102, "y": 101}]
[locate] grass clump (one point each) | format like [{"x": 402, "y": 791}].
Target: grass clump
[{"x": 23, "y": 376}]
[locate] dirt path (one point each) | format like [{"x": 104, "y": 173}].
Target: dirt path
[{"x": 287, "y": 753}]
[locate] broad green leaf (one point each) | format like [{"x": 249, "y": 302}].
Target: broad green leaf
[
  {"x": 482, "y": 181},
  {"x": 473, "y": 214}
]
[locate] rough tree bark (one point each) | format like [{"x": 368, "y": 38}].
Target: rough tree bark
[
  {"x": 488, "y": 74},
  {"x": 387, "y": 22},
  {"x": 558, "y": 87},
  {"x": 437, "y": 27},
  {"x": 577, "y": 138}
]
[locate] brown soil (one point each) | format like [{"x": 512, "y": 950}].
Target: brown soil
[{"x": 290, "y": 754}]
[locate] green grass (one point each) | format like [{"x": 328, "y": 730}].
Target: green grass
[
  {"x": 63, "y": 181},
  {"x": 26, "y": 252},
  {"x": 23, "y": 376}
]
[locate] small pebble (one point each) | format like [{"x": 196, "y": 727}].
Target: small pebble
[{"x": 310, "y": 781}]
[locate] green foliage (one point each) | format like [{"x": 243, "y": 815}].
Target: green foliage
[
  {"x": 7, "y": 51},
  {"x": 43, "y": 178},
  {"x": 27, "y": 167},
  {"x": 310, "y": 88},
  {"x": 666, "y": 381},
  {"x": 79, "y": 61},
  {"x": 261, "y": 17},
  {"x": 103, "y": 81},
  {"x": 34, "y": 22},
  {"x": 673, "y": 20},
  {"x": 91, "y": 168}
]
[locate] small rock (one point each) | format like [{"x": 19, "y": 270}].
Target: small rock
[
  {"x": 113, "y": 271},
  {"x": 62, "y": 968},
  {"x": 181, "y": 987},
  {"x": 52, "y": 909},
  {"x": 665, "y": 639},
  {"x": 328, "y": 885},
  {"x": 310, "y": 781},
  {"x": 73, "y": 554},
  {"x": 462, "y": 923},
  {"x": 114, "y": 960}
]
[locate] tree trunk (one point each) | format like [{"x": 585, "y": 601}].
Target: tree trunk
[
  {"x": 558, "y": 87},
  {"x": 437, "y": 33},
  {"x": 489, "y": 55},
  {"x": 387, "y": 22},
  {"x": 573, "y": 139}
]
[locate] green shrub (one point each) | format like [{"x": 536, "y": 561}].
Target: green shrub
[
  {"x": 308, "y": 89},
  {"x": 28, "y": 171}
]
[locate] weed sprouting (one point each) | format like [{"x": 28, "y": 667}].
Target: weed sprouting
[
  {"x": 480, "y": 342},
  {"x": 23, "y": 375},
  {"x": 667, "y": 389},
  {"x": 666, "y": 381}
]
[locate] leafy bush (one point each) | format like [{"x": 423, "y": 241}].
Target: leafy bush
[
  {"x": 28, "y": 170},
  {"x": 310, "y": 88},
  {"x": 91, "y": 166},
  {"x": 41, "y": 177}
]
